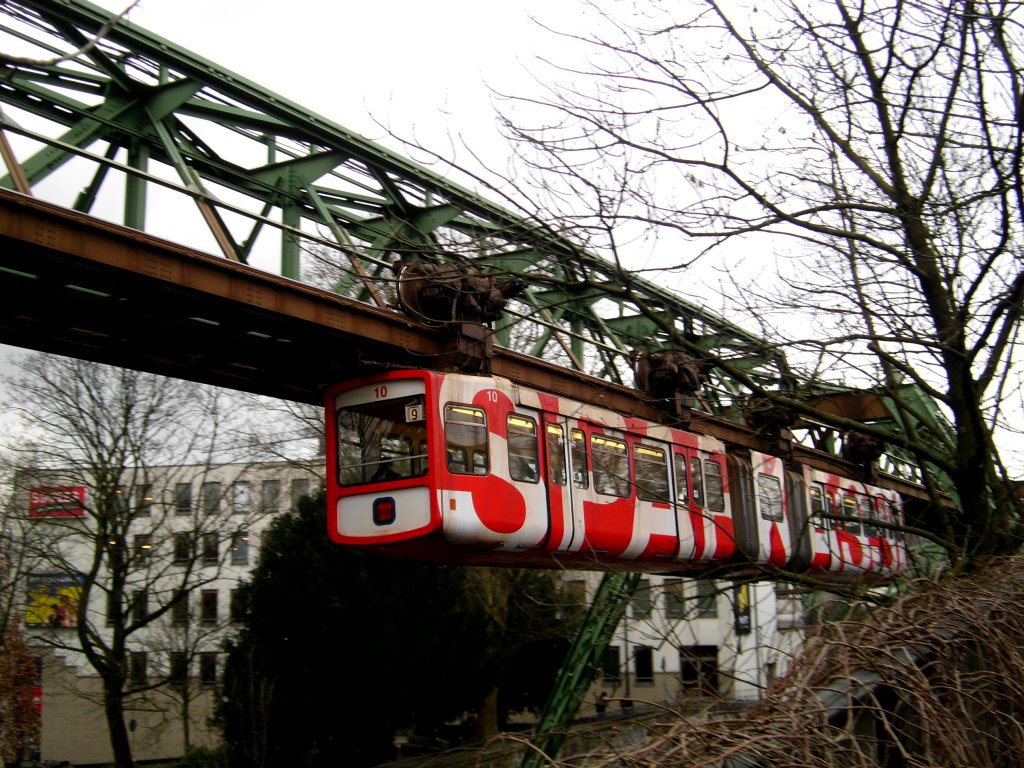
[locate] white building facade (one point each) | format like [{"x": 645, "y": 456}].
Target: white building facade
[
  {"x": 695, "y": 639},
  {"x": 193, "y": 536}
]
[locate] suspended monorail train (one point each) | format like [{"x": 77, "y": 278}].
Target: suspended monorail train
[{"x": 476, "y": 470}]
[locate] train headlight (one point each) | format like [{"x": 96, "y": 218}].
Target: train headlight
[{"x": 384, "y": 510}]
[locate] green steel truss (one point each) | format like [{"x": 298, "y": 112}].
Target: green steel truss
[{"x": 137, "y": 130}]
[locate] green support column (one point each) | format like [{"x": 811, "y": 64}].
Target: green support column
[
  {"x": 135, "y": 187},
  {"x": 581, "y": 665},
  {"x": 291, "y": 217}
]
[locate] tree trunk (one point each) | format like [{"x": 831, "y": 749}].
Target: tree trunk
[
  {"x": 487, "y": 717},
  {"x": 113, "y": 707}
]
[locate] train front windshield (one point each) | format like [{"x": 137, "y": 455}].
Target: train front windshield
[{"x": 382, "y": 433}]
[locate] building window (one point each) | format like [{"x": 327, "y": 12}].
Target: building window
[
  {"x": 241, "y": 499},
  {"x": 240, "y": 548},
  {"x": 137, "y": 667},
  {"x": 211, "y": 498},
  {"x": 211, "y": 548},
  {"x": 179, "y": 669},
  {"x": 208, "y": 668},
  {"x": 707, "y": 599},
  {"x": 299, "y": 490},
  {"x": 113, "y": 610},
  {"x": 271, "y": 501},
  {"x": 144, "y": 500},
  {"x": 673, "y": 591},
  {"x": 121, "y": 500},
  {"x": 182, "y": 547},
  {"x": 698, "y": 668},
  {"x": 183, "y": 499},
  {"x": 208, "y": 607},
  {"x": 642, "y": 600},
  {"x": 140, "y": 605},
  {"x": 237, "y": 605},
  {"x": 611, "y": 664},
  {"x": 179, "y": 611},
  {"x": 143, "y": 546},
  {"x": 643, "y": 658}
]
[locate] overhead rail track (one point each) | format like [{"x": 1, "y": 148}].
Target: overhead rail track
[{"x": 75, "y": 285}]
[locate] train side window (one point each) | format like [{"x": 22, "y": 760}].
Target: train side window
[
  {"x": 818, "y": 511},
  {"x": 851, "y": 512},
  {"x": 578, "y": 458},
  {"x": 651, "y": 474},
  {"x": 867, "y": 514},
  {"x": 697, "y": 477},
  {"x": 465, "y": 429},
  {"x": 682, "y": 490},
  {"x": 523, "y": 458},
  {"x": 556, "y": 454},
  {"x": 896, "y": 516},
  {"x": 611, "y": 466},
  {"x": 457, "y": 460},
  {"x": 716, "y": 491},
  {"x": 769, "y": 497}
]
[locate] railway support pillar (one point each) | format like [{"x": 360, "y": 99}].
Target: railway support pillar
[{"x": 582, "y": 663}]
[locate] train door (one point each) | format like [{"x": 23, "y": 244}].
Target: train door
[
  {"x": 705, "y": 530},
  {"x": 800, "y": 524},
  {"x": 565, "y": 530},
  {"x": 689, "y": 507},
  {"x": 774, "y": 529},
  {"x": 655, "y": 523}
]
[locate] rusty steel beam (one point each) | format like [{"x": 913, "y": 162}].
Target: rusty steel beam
[{"x": 857, "y": 406}]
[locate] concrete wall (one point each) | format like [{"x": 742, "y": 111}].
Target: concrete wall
[{"x": 74, "y": 726}]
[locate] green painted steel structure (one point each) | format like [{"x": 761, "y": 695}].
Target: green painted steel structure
[{"x": 134, "y": 126}]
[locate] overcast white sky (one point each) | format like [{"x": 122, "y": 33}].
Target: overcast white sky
[{"x": 413, "y": 65}]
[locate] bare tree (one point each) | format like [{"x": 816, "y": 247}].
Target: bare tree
[
  {"x": 120, "y": 549},
  {"x": 869, "y": 154},
  {"x": 19, "y": 720}
]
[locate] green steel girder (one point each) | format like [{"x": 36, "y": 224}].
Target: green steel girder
[
  {"x": 300, "y": 171},
  {"x": 303, "y": 181}
]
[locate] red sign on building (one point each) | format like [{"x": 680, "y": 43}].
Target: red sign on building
[{"x": 56, "y": 501}]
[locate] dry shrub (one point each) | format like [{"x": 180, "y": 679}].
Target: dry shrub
[{"x": 935, "y": 679}]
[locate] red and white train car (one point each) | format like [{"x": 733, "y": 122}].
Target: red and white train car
[{"x": 476, "y": 470}]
